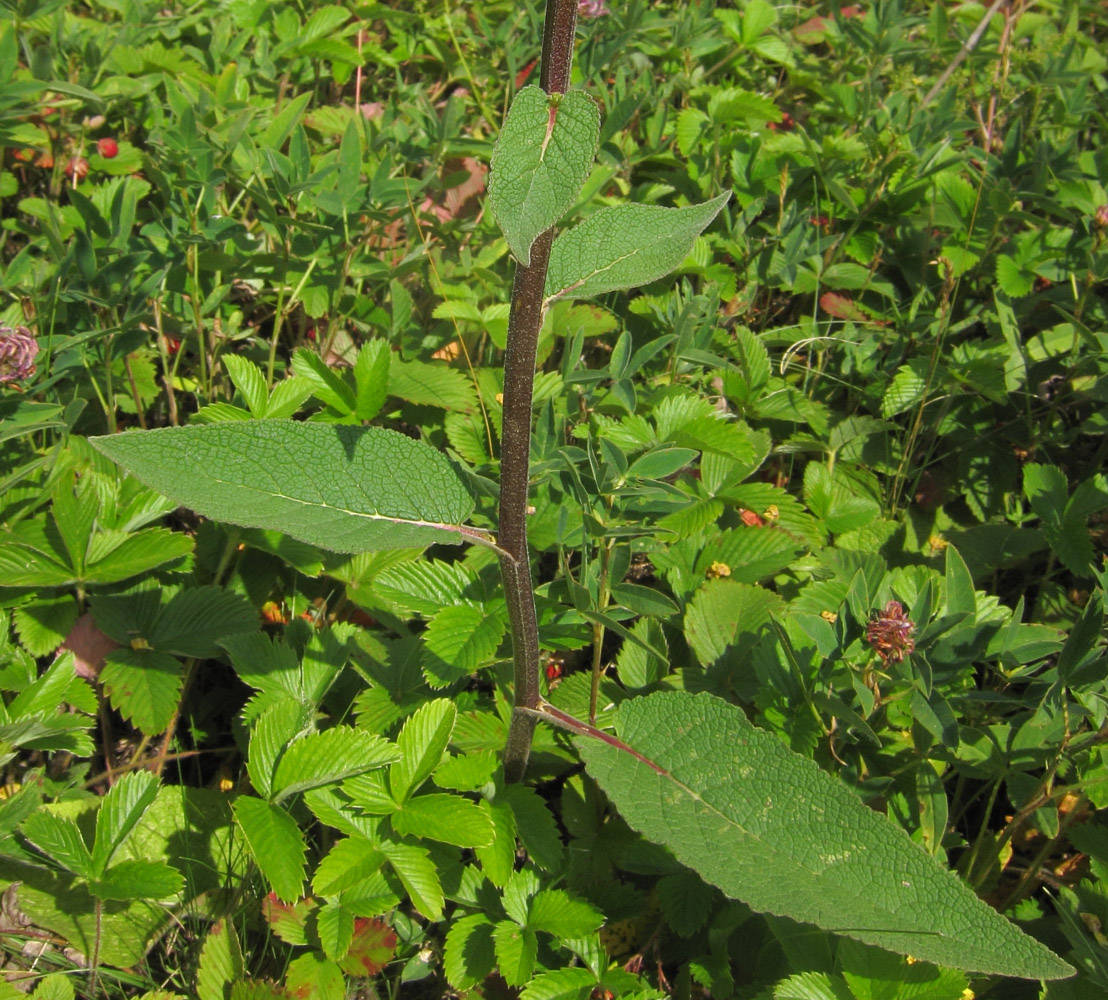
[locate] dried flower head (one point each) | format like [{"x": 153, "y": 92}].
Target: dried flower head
[
  {"x": 1100, "y": 217},
  {"x": 890, "y": 633},
  {"x": 18, "y": 348},
  {"x": 593, "y": 8}
]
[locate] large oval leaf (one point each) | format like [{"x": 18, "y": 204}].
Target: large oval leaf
[
  {"x": 770, "y": 828},
  {"x": 346, "y": 489}
]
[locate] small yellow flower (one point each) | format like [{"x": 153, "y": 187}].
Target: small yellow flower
[{"x": 718, "y": 569}]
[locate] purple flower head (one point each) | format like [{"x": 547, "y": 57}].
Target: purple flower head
[
  {"x": 1100, "y": 217},
  {"x": 890, "y": 633},
  {"x": 593, "y": 8},
  {"x": 18, "y": 348}
]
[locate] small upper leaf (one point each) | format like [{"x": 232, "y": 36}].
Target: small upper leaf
[
  {"x": 540, "y": 161},
  {"x": 346, "y": 489},
  {"x": 624, "y": 246}
]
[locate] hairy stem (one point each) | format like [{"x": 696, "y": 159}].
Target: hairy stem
[{"x": 524, "y": 323}]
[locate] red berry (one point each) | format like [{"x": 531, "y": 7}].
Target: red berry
[
  {"x": 77, "y": 168},
  {"x": 108, "y": 148}
]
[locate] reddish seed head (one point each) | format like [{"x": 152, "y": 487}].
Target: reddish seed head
[
  {"x": 592, "y": 8},
  {"x": 108, "y": 148},
  {"x": 18, "y": 348},
  {"x": 890, "y": 633},
  {"x": 77, "y": 168},
  {"x": 1100, "y": 217}
]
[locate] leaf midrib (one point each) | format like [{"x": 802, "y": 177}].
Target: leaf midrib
[
  {"x": 442, "y": 525},
  {"x": 777, "y": 853}
]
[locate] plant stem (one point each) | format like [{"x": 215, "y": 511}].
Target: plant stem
[{"x": 524, "y": 324}]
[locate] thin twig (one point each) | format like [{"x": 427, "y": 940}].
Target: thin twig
[{"x": 967, "y": 47}]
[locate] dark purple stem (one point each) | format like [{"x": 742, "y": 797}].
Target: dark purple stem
[{"x": 524, "y": 324}]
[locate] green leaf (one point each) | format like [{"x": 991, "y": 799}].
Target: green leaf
[
  {"x": 349, "y": 862},
  {"x": 371, "y": 949},
  {"x": 560, "y": 984},
  {"x": 120, "y": 810},
  {"x": 686, "y": 901},
  {"x": 418, "y": 875},
  {"x": 422, "y": 742},
  {"x": 278, "y": 130},
  {"x": 466, "y": 773},
  {"x": 445, "y": 818},
  {"x": 873, "y": 974},
  {"x": 335, "y": 926},
  {"x": 428, "y": 383},
  {"x": 23, "y": 566},
  {"x": 459, "y": 640},
  {"x": 721, "y": 612},
  {"x": 541, "y": 159},
  {"x": 906, "y": 388},
  {"x": 143, "y": 686},
  {"x": 535, "y": 825},
  {"x": 961, "y": 599},
  {"x": 557, "y": 912},
  {"x": 371, "y": 378},
  {"x": 1082, "y": 640},
  {"x": 643, "y": 600},
  {"x": 469, "y": 955},
  {"x": 660, "y": 463},
  {"x": 44, "y": 623},
  {"x": 252, "y": 989},
  {"x": 282, "y": 721},
  {"x": 829, "y": 496},
  {"x": 276, "y": 844},
  {"x": 1063, "y": 520},
  {"x": 221, "y": 962},
  {"x": 151, "y": 880},
  {"x": 287, "y": 397},
  {"x": 637, "y": 668},
  {"x": 750, "y": 553},
  {"x": 498, "y": 859},
  {"x": 350, "y": 165},
  {"x": 516, "y": 951},
  {"x": 248, "y": 379},
  {"x": 623, "y": 246},
  {"x": 52, "y": 987},
  {"x": 74, "y": 513},
  {"x": 59, "y": 838},
  {"x": 313, "y": 976},
  {"x": 328, "y": 757},
  {"x": 814, "y": 986},
  {"x": 327, "y": 384},
  {"x": 345, "y": 489},
  {"x": 1014, "y": 280},
  {"x": 197, "y": 618},
  {"x": 770, "y": 828},
  {"x": 137, "y": 553}
]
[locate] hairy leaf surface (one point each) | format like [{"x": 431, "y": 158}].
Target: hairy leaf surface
[{"x": 770, "y": 828}]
